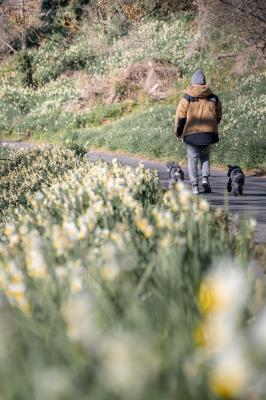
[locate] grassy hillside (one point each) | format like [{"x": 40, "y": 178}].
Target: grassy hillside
[{"x": 75, "y": 78}]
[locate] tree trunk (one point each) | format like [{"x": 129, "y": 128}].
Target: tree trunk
[
  {"x": 23, "y": 33},
  {"x": 200, "y": 41}
]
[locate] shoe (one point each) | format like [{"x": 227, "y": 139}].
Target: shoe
[
  {"x": 206, "y": 185},
  {"x": 195, "y": 189}
]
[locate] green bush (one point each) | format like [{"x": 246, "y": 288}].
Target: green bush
[
  {"x": 24, "y": 63},
  {"x": 24, "y": 109},
  {"x": 152, "y": 39},
  {"x": 58, "y": 56},
  {"x": 28, "y": 171}
]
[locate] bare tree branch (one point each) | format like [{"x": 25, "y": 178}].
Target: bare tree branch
[
  {"x": 246, "y": 18},
  {"x": 7, "y": 45},
  {"x": 243, "y": 10}
]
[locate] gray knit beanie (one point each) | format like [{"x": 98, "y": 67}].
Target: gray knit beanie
[{"x": 198, "y": 78}]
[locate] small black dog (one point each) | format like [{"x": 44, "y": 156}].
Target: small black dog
[
  {"x": 175, "y": 173},
  {"x": 236, "y": 180}
]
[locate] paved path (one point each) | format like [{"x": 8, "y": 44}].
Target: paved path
[{"x": 252, "y": 203}]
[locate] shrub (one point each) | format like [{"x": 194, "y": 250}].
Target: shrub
[
  {"x": 24, "y": 109},
  {"x": 29, "y": 170},
  {"x": 24, "y": 63},
  {"x": 58, "y": 57}
]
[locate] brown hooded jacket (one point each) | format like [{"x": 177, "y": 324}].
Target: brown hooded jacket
[{"x": 197, "y": 117}]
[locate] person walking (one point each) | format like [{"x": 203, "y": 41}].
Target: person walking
[{"x": 198, "y": 115}]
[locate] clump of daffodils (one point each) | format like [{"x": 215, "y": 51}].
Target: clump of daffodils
[
  {"x": 227, "y": 345},
  {"x": 28, "y": 171},
  {"x": 129, "y": 363},
  {"x": 93, "y": 256},
  {"x": 96, "y": 215}
]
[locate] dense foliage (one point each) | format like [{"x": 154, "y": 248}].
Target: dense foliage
[
  {"x": 25, "y": 171},
  {"x": 100, "y": 277},
  {"x": 59, "y": 109}
]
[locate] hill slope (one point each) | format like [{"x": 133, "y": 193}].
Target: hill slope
[{"x": 122, "y": 94}]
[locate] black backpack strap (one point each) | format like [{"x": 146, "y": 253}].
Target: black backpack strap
[
  {"x": 212, "y": 97},
  {"x": 189, "y": 98}
]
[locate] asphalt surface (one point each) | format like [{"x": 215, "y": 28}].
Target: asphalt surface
[{"x": 251, "y": 204}]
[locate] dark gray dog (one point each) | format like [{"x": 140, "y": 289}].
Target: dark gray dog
[
  {"x": 236, "y": 180},
  {"x": 175, "y": 173}
]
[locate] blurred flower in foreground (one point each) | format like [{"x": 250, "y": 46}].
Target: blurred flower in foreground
[
  {"x": 223, "y": 299},
  {"x": 215, "y": 331},
  {"x": 4, "y": 334},
  {"x": 79, "y": 314},
  {"x": 224, "y": 288},
  {"x": 51, "y": 384},
  {"x": 258, "y": 332},
  {"x": 36, "y": 265},
  {"x": 144, "y": 227},
  {"x": 129, "y": 364},
  {"x": 229, "y": 375}
]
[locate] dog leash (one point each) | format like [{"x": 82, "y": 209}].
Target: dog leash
[{"x": 182, "y": 161}]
